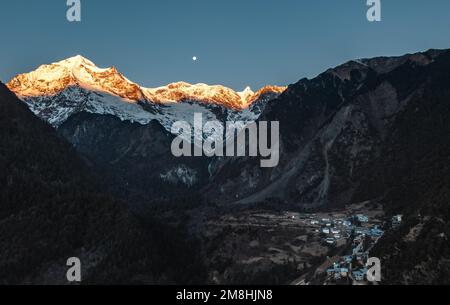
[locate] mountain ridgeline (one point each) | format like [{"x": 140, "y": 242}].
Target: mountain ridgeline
[{"x": 333, "y": 128}]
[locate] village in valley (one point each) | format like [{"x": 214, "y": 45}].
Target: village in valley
[
  {"x": 363, "y": 235},
  {"x": 294, "y": 247},
  {"x": 355, "y": 235}
]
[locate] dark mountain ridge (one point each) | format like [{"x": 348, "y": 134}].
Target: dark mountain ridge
[
  {"x": 332, "y": 128},
  {"x": 52, "y": 208}
]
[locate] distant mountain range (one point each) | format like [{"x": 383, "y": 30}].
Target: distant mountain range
[{"x": 368, "y": 130}]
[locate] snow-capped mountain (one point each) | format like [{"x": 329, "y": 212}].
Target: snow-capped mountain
[{"x": 57, "y": 91}]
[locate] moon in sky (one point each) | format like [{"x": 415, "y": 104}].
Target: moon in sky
[{"x": 194, "y": 58}]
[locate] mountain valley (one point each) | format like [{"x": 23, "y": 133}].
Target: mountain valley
[{"x": 371, "y": 133}]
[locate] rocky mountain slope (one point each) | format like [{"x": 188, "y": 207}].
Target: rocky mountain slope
[{"x": 332, "y": 129}]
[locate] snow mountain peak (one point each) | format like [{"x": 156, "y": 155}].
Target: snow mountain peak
[
  {"x": 76, "y": 60},
  {"x": 57, "y": 91},
  {"x": 81, "y": 72}
]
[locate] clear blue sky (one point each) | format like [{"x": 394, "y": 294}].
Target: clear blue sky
[{"x": 238, "y": 42}]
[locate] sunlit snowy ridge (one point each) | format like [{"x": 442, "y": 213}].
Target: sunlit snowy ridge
[{"x": 57, "y": 91}]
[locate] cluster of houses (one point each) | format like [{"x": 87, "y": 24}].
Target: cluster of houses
[
  {"x": 333, "y": 230},
  {"x": 352, "y": 267},
  {"x": 358, "y": 234}
]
